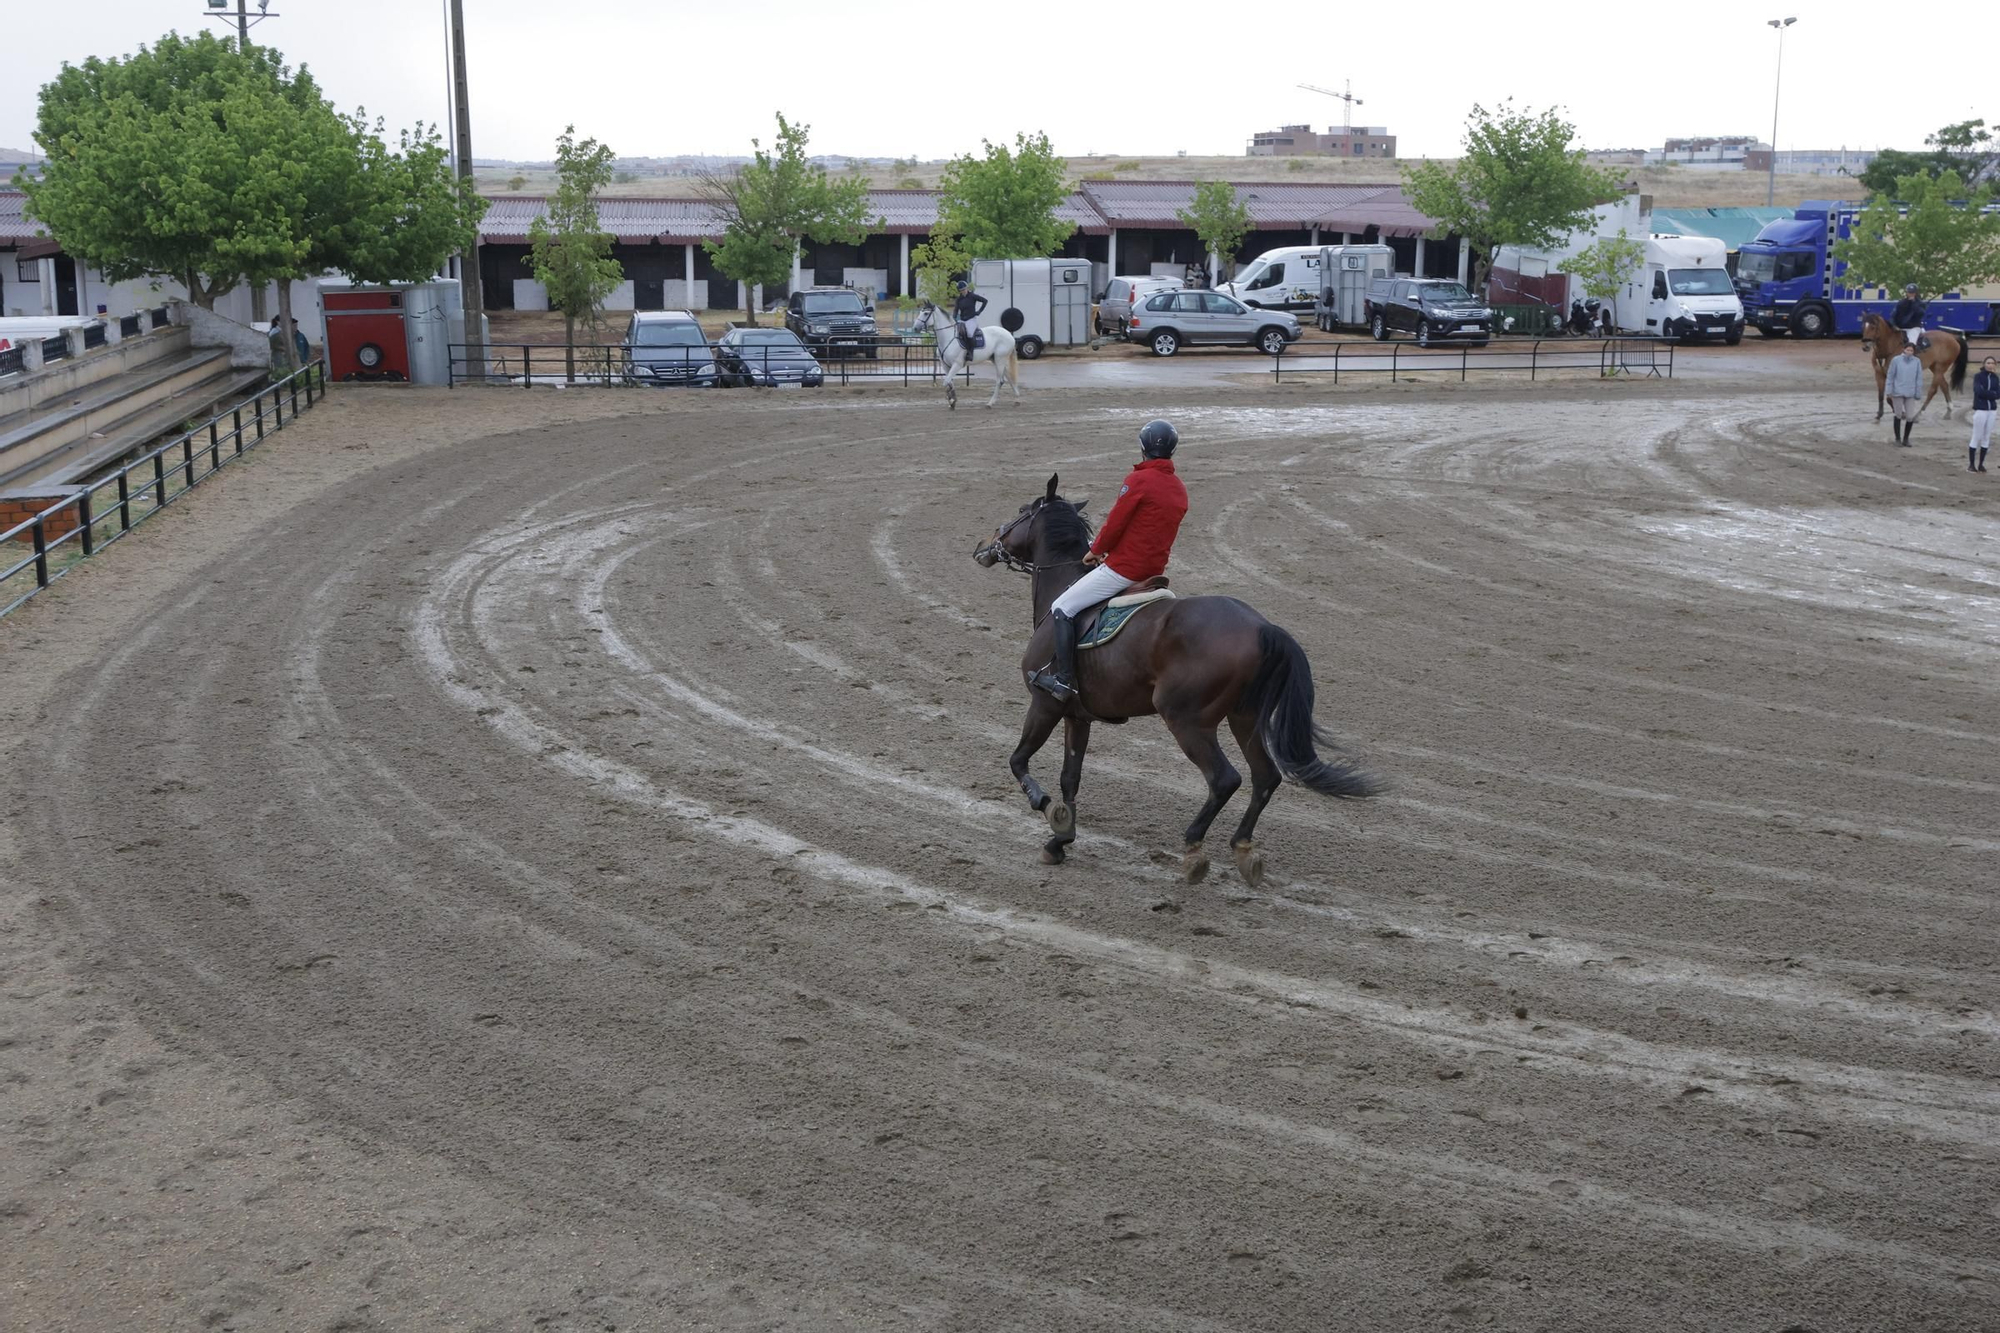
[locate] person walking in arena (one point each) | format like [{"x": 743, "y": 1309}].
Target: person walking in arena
[
  {"x": 1904, "y": 386},
  {"x": 1985, "y": 406},
  {"x": 1132, "y": 546}
]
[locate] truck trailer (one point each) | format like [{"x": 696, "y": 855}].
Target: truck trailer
[{"x": 1790, "y": 282}]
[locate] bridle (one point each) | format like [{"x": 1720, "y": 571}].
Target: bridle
[{"x": 995, "y": 552}]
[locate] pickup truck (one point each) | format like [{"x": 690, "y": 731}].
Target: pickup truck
[{"x": 1434, "y": 309}]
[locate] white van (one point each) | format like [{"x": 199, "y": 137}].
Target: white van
[
  {"x": 1683, "y": 290},
  {"x": 1286, "y": 279}
]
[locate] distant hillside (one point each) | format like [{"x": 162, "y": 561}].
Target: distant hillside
[
  {"x": 18, "y": 155},
  {"x": 1671, "y": 187}
]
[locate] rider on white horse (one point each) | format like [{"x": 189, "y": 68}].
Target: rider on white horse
[
  {"x": 1909, "y": 316},
  {"x": 966, "y": 309}
]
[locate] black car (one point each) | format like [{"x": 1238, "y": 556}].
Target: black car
[
  {"x": 766, "y": 357},
  {"x": 829, "y": 318},
  {"x": 1435, "y": 309}
]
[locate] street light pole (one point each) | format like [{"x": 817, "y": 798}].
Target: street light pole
[{"x": 1777, "y": 81}]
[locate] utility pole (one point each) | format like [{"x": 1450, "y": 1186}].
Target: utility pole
[
  {"x": 468, "y": 264},
  {"x": 220, "y": 9}
]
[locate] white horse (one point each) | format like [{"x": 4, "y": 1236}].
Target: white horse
[{"x": 951, "y": 350}]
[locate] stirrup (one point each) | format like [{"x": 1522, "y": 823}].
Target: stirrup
[{"x": 1047, "y": 681}]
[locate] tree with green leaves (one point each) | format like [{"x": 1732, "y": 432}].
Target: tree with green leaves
[
  {"x": 1966, "y": 147},
  {"x": 1940, "y": 238},
  {"x": 774, "y": 201},
  {"x": 218, "y": 167},
  {"x": 516, "y": 183},
  {"x": 1219, "y": 220},
  {"x": 939, "y": 261},
  {"x": 1605, "y": 266},
  {"x": 569, "y": 252},
  {"x": 1523, "y": 181},
  {"x": 1002, "y": 205}
]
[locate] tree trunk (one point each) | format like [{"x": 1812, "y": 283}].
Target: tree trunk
[
  {"x": 569, "y": 346},
  {"x": 286, "y": 328},
  {"x": 198, "y": 293}
]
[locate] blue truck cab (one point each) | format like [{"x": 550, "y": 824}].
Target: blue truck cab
[{"x": 1789, "y": 280}]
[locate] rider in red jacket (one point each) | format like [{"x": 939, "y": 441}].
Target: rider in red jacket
[{"x": 1133, "y": 545}]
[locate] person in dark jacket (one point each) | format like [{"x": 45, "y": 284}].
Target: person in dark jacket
[
  {"x": 966, "y": 309},
  {"x": 1909, "y": 316},
  {"x": 1132, "y": 546},
  {"x": 1985, "y": 406}
]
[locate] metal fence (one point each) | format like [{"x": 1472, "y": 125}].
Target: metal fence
[
  {"x": 1648, "y": 357},
  {"x": 13, "y": 360},
  {"x": 95, "y": 335},
  {"x": 908, "y": 360},
  {"x": 55, "y": 349},
  {"x": 148, "y": 484}
]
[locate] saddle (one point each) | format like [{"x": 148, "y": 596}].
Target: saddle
[{"x": 1101, "y": 623}]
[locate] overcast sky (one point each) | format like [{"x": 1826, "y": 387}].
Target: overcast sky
[{"x": 660, "y": 77}]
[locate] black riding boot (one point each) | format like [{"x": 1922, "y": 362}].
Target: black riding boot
[
  {"x": 1060, "y": 678},
  {"x": 1897, "y": 427}
]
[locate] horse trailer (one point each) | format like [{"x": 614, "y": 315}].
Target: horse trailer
[
  {"x": 1344, "y": 274},
  {"x": 1042, "y": 302}
]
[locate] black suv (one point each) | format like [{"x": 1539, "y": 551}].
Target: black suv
[
  {"x": 1435, "y": 309},
  {"x": 829, "y": 318}
]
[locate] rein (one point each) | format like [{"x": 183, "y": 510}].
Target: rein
[{"x": 997, "y": 548}]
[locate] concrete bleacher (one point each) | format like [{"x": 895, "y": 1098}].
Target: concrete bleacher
[{"x": 71, "y": 418}]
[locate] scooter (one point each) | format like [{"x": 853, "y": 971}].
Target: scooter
[{"x": 1583, "y": 316}]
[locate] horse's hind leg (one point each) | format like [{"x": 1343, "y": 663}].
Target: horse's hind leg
[
  {"x": 1264, "y": 780},
  {"x": 1062, "y": 813},
  {"x": 999, "y": 374},
  {"x": 1199, "y": 744}
]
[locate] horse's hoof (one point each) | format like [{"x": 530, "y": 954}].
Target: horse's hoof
[
  {"x": 1052, "y": 856},
  {"x": 1194, "y": 866},
  {"x": 1250, "y": 865},
  {"x": 1062, "y": 819}
]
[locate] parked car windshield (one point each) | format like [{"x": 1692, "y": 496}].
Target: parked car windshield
[
  {"x": 832, "y": 303},
  {"x": 772, "y": 337},
  {"x": 1700, "y": 282},
  {"x": 1444, "y": 291},
  {"x": 674, "y": 333}
]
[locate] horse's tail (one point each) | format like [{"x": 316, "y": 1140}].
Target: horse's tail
[
  {"x": 1958, "y": 366},
  {"x": 1282, "y": 695}
]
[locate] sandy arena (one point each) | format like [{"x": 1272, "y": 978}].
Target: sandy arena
[{"x": 506, "y": 861}]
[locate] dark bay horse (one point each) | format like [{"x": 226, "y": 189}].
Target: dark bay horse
[
  {"x": 1947, "y": 355},
  {"x": 1197, "y": 662}
]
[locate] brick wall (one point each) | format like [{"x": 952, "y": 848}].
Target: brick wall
[{"x": 19, "y": 506}]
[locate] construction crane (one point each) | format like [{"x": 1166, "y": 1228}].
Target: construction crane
[{"x": 1347, "y": 96}]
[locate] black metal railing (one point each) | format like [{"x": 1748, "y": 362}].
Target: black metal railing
[
  {"x": 1647, "y": 356},
  {"x": 95, "y": 335},
  {"x": 13, "y": 360},
  {"x": 55, "y": 349},
  {"x": 130, "y": 326},
  {"x": 158, "y": 316},
  {"x": 909, "y": 360},
  {"x": 148, "y": 484}
]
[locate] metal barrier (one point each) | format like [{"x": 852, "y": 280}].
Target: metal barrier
[
  {"x": 130, "y": 326},
  {"x": 1651, "y": 357},
  {"x": 909, "y": 360},
  {"x": 95, "y": 335},
  {"x": 55, "y": 349},
  {"x": 151, "y": 482},
  {"x": 158, "y": 315},
  {"x": 13, "y": 360}
]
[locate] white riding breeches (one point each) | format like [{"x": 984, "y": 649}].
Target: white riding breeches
[
  {"x": 1982, "y": 429},
  {"x": 1096, "y": 585},
  {"x": 968, "y": 334},
  {"x": 1913, "y": 334}
]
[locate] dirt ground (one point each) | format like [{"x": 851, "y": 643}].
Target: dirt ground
[{"x": 505, "y": 860}]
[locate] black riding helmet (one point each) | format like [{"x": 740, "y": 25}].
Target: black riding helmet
[{"x": 1157, "y": 439}]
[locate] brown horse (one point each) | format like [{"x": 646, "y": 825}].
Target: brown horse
[
  {"x": 1947, "y": 355},
  {"x": 1196, "y": 661}
]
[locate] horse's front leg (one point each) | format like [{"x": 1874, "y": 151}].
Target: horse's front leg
[
  {"x": 1881, "y": 381},
  {"x": 999, "y": 377},
  {"x": 1043, "y": 714},
  {"x": 1062, "y": 814}
]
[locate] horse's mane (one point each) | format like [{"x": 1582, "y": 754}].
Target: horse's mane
[{"x": 1063, "y": 526}]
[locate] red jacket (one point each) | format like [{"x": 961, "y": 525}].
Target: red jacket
[{"x": 1139, "y": 531}]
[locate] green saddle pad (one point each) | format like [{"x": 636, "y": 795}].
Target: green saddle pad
[{"x": 1109, "y": 621}]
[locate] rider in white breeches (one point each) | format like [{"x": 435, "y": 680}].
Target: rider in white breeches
[{"x": 1100, "y": 584}]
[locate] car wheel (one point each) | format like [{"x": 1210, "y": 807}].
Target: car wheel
[
  {"x": 1423, "y": 333},
  {"x": 1379, "y": 328},
  {"x": 1812, "y": 321},
  {"x": 1029, "y": 348},
  {"x": 1769, "y": 331},
  {"x": 1271, "y": 342},
  {"x": 1166, "y": 342}
]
